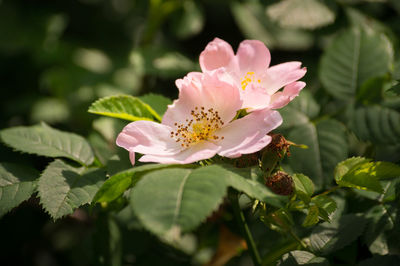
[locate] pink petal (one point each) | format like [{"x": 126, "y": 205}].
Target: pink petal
[
  {"x": 209, "y": 92},
  {"x": 217, "y": 53},
  {"x": 148, "y": 138},
  {"x": 253, "y": 56},
  {"x": 282, "y": 98},
  {"x": 281, "y": 75},
  {"x": 255, "y": 98},
  {"x": 248, "y": 134},
  {"x": 190, "y": 77},
  {"x": 201, "y": 151}
]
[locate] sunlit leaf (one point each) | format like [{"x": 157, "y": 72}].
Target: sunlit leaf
[
  {"x": 63, "y": 188},
  {"x": 326, "y": 206},
  {"x": 304, "y": 187},
  {"x": 176, "y": 200},
  {"x": 312, "y": 216},
  {"x": 17, "y": 183},
  {"x": 46, "y": 141},
  {"x": 116, "y": 185},
  {"x": 124, "y": 107},
  {"x": 300, "y": 257}
]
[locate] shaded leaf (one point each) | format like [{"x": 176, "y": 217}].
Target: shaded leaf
[
  {"x": 62, "y": 187},
  {"x": 17, "y": 183},
  {"x": 328, "y": 237},
  {"x": 158, "y": 102},
  {"x": 326, "y": 147},
  {"x": 124, "y": 107},
  {"x": 253, "y": 22},
  {"x": 189, "y": 21},
  {"x": 306, "y": 14},
  {"x": 46, "y": 141},
  {"x": 354, "y": 56},
  {"x": 377, "y": 124},
  {"x": 387, "y": 260}
]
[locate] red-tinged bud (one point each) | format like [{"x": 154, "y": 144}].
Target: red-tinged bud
[
  {"x": 274, "y": 153},
  {"x": 247, "y": 160},
  {"x": 281, "y": 183}
]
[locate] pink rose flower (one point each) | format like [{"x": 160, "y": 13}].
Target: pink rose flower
[
  {"x": 249, "y": 71},
  {"x": 199, "y": 125}
]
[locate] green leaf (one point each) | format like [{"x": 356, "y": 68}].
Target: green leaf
[
  {"x": 17, "y": 183},
  {"x": 326, "y": 206},
  {"x": 116, "y": 185},
  {"x": 326, "y": 147},
  {"x": 158, "y": 102},
  {"x": 354, "y": 56},
  {"x": 300, "y": 257},
  {"x": 46, "y": 141},
  {"x": 124, "y": 107},
  {"x": 170, "y": 201},
  {"x": 312, "y": 216},
  {"x": 304, "y": 187},
  {"x": 240, "y": 180},
  {"x": 253, "y": 22},
  {"x": 362, "y": 174},
  {"x": 344, "y": 167},
  {"x": 305, "y": 14},
  {"x": 328, "y": 237},
  {"x": 379, "y": 224},
  {"x": 371, "y": 91},
  {"x": 377, "y": 124},
  {"x": 189, "y": 21},
  {"x": 299, "y": 111},
  {"x": 62, "y": 187}
]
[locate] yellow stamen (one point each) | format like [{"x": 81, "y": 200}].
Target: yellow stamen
[{"x": 201, "y": 127}]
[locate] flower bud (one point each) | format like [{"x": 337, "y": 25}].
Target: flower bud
[
  {"x": 281, "y": 183},
  {"x": 274, "y": 153}
]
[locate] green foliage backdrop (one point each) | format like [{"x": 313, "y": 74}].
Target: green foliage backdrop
[{"x": 74, "y": 73}]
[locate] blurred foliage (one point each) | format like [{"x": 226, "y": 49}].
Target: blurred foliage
[{"x": 58, "y": 57}]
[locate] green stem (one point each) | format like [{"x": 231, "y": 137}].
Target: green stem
[
  {"x": 328, "y": 191},
  {"x": 239, "y": 215}
]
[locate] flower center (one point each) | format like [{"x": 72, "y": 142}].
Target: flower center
[
  {"x": 201, "y": 127},
  {"x": 248, "y": 78}
]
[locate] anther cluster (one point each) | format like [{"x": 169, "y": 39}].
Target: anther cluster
[{"x": 200, "y": 127}]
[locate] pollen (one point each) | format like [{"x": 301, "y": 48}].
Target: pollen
[
  {"x": 249, "y": 78},
  {"x": 202, "y": 126}
]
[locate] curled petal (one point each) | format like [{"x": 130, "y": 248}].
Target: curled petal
[
  {"x": 248, "y": 134},
  {"x": 282, "y": 98},
  {"x": 200, "y": 151},
  {"x": 148, "y": 138},
  {"x": 281, "y": 75},
  {"x": 253, "y": 56},
  {"x": 190, "y": 77},
  {"x": 218, "y": 53}
]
